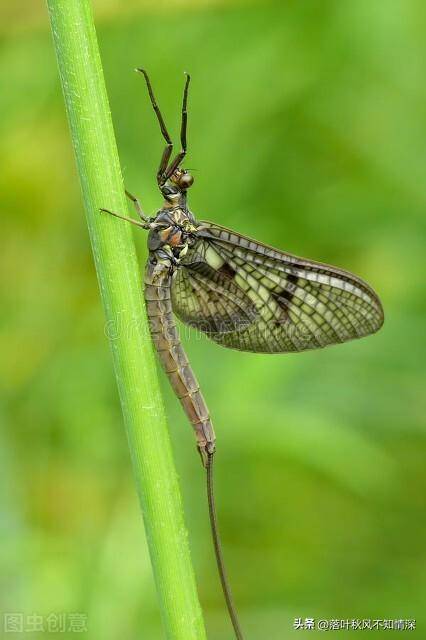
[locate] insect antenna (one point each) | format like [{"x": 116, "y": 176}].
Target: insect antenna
[
  {"x": 162, "y": 169},
  {"x": 218, "y": 550},
  {"x": 183, "y": 127}
]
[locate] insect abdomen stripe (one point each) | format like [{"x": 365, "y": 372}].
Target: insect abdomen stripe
[{"x": 173, "y": 357}]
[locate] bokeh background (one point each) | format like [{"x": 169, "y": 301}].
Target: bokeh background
[{"x": 307, "y": 131}]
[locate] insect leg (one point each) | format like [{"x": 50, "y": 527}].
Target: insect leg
[
  {"x": 169, "y": 146},
  {"x": 138, "y": 207},
  {"x": 118, "y": 215},
  {"x": 182, "y": 153}
]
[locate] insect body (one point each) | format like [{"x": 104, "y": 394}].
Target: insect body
[
  {"x": 168, "y": 242},
  {"x": 241, "y": 293}
]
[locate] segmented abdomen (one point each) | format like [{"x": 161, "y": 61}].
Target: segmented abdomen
[{"x": 173, "y": 358}]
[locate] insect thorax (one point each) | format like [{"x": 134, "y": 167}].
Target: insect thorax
[{"x": 170, "y": 232}]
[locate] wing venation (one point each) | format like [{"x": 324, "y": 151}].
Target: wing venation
[{"x": 248, "y": 296}]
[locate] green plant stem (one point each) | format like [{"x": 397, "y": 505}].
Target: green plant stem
[{"x": 118, "y": 274}]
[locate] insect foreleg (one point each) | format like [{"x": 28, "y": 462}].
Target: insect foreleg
[
  {"x": 182, "y": 153},
  {"x": 138, "y": 207},
  {"x": 169, "y": 146},
  {"x": 143, "y": 225}
]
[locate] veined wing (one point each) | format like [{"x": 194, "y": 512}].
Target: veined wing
[
  {"x": 248, "y": 296},
  {"x": 206, "y": 298}
]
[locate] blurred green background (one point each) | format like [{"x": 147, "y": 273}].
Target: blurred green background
[{"x": 307, "y": 131}]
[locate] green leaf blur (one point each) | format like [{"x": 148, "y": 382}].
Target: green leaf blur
[{"x": 307, "y": 130}]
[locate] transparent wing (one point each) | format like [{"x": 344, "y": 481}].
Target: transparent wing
[
  {"x": 247, "y": 296},
  {"x": 207, "y": 299}
]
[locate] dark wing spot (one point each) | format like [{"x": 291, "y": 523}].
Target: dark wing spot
[
  {"x": 284, "y": 297},
  {"x": 227, "y": 271},
  {"x": 287, "y": 295},
  {"x": 292, "y": 278}
]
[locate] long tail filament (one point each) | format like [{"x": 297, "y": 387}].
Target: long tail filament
[{"x": 218, "y": 551}]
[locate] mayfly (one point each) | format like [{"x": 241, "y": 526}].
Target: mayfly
[{"x": 241, "y": 293}]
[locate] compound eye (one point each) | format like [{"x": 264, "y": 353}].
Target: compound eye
[{"x": 186, "y": 180}]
